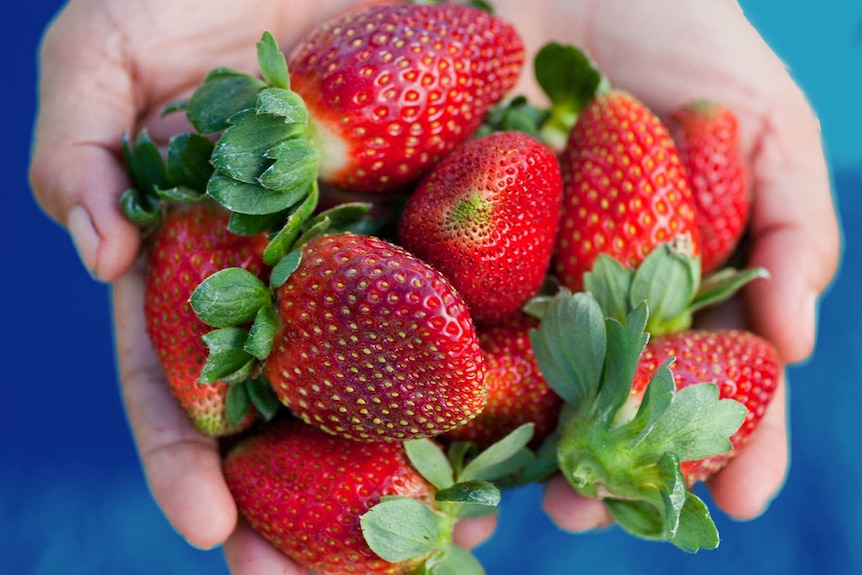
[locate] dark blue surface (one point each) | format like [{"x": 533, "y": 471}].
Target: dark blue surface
[{"x": 72, "y": 497}]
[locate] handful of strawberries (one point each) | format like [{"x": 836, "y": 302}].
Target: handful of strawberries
[{"x": 402, "y": 290}]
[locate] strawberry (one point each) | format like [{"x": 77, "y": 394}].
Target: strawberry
[
  {"x": 363, "y": 340},
  {"x": 340, "y": 507},
  {"x": 744, "y": 366},
  {"x": 517, "y": 392},
  {"x": 707, "y": 137},
  {"x": 486, "y": 217},
  {"x": 305, "y": 490},
  {"x": 192, "y": 244},
  {"x": 374, "y": 343},
  {"x": 630, "y": 421},
  {"x": 625, "y": 190},
  {"x": 391, "y": 88}
]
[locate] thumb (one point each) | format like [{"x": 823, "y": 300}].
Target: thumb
[{"x": 76, "y": 173}]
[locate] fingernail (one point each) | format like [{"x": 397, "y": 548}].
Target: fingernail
[
  {"x": 84, "y": 237},
  {"x": 808, "y": 319}
]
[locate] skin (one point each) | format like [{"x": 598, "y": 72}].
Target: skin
[{"x": 131, "y": 58}]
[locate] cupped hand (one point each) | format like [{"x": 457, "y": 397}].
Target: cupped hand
[
  {"x": 109, "y": 67},
  {"x": 668, "y": 53}
]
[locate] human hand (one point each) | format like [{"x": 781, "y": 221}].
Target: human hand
[
  {"x": 670, "y": 53},
  {"x": 109, "y": 68}
]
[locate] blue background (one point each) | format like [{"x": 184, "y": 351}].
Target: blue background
[{"x": 72, "y": 496}]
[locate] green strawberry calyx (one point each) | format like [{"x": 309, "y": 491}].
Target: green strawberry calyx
[
  {"x": 668, "y": 281},
  {"x": 402, "y": 529},
  {"x": 569, "y": 79},
  {"x": 627, "y": 456},
  {"x": 157, "y": 181}
]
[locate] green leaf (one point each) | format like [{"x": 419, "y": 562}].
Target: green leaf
[
  {"x": 516, "y": 115},
  {"x": 189, "y": 161},
  {"x": 401, "y": 528},
  {"x": 672, "y": 489},
  {"x": 320, "y": 227},
  {"x": 459, "y": 454},
  {"x": 570, "y": 80},
  {"x": 242, "y": 374},
  {"x": 295, "y": 165},
  {"x": 250, "y": 199},
  {"x": 180, "y": 194},
  {"x": 223, "y": 93},
  {"x": 625, "y": 344},
  {"x": 638, "y": 518},
  {"x": 146, "y": 165},
  {"x": 230, "y": 297},
  {"x": 657, "y": 398},
  {"x": 545, "y": 462},
  {"x": 226, "y": 353},
  {"x": 471, "y": 492},
  {"x": 430, "y": 461},
  {"x": 241, "y": 152},
  {"x": 285, "y": 268},
  {"x": 537, "y": 306},
  {"x": 696, "y": 425},
  {"x": 262, "y": 333},
  {"x": 610, "y": 282},
  {"x": 283, "y": 241},
  {"x": 343, "y": 217},
  {"x": 176, "y": 106},
  {"x": 263, "y": 397},
  {"x": 569, "y": 347},
  {"x": 272, "y": 63},
  {"x": 490, "y": 464},
  {"x": 721, "y": 285},
  {"x": 696, "y": 528},
  {"x": 457, "y": 561},
  {"x": 249, "y": 225},
  {"x": 668, "y": 281},
  {"x": 137, "y": 209},
  {"x": 288, "y": 106},
  {"x": 237, "y": 404}
]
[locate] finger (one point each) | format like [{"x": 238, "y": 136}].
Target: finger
[
  {"x": 86, "y": 103},
  {"x": 472, "y": 532},
  {"x": 572, "y": 511},
  {"x": 793, "y": 224},
  {"x": 182, "y": 467},
  {"x": 749, "y": 483},
  {"x": 247, "y": 553}
]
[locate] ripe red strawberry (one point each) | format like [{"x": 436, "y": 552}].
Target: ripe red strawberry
[
  {"x": 486, "y": 217},
  {"x": 707, "y": 137},
  {"x": 624, "y": 189},
  {"x": 342, "y": 507},
  {"x": 744, "y": 366},
  {"x": 392, "y": 88},
  {"x": 305, "y": 490},
  {"x": 517, "y": 392},
  {"x": 192, "y": 244},
  {"x": 374, "y": 344}
]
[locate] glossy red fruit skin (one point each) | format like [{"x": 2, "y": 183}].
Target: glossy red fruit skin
[
  {"x": 392, "y": 88},
  {"x": 192, "y": 244},
  {"x": 375, "y": 345},
  {"x": 517, "y": 391},
  {"x": 487, "y": 217},
  {"x": 305, "y": 490},
  {"x": 744, "y": 366},
  {"x": 707, "y": 137},
  {"x": 624, "y": 189}
]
